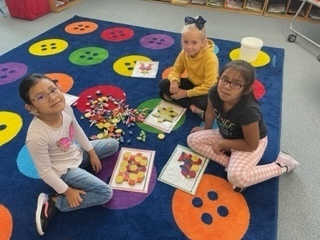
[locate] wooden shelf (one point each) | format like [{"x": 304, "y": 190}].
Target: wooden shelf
[
  {"x": 257, "y": 7},
  {"x": 58, "y": 8}
]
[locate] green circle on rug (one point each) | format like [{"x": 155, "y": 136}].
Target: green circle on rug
[
  {"x": 88, "y": 56},
  {"x": 151, "y": 104}
]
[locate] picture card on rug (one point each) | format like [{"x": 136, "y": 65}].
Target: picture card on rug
[
  {"x": 145, "y": 69},
  {"x": 184, "y": 169},
  {"x": 165, "y": 116},
  {"x": 133, "y": 170}
]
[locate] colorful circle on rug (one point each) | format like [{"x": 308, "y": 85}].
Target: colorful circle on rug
[
  {"x": 215, "y": 212},
  {"x": 25, "y": 163},
  {"x": 123, "y": 199},
  {"x": 215, "y": 49},
  {"x": 124, "y": 66},
  {"x": 81, "y": 27},
  {"x": 64, "y": 81},
  {"x": 157, "y": 41},
  {"x": 262, "y": 60},
  {"x": 117, "y": 34},
  {"x": 89, "y": 94},
  {"x": 6, "y": 223},
  {"x": 258, "y": 89},
  {"x": 11, "y": 71},
  {"x": 166, "y": 72},
  {"x": 10, "y": 125},
  {"x": 88, "y": 56},
  {"x": 48, "y": 47},
  {"x": 151, "y": 104}
]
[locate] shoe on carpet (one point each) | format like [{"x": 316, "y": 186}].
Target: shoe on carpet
[
  {"x": 46, "y": 209},
  {"x": 197, "y": 111},
  {"x": 237, "y": 189},
  {"x": 285, "y": 160}
]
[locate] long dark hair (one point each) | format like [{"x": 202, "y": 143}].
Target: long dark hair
[
  {"x": 28, "y": 82},
  {"x": 247, "y": 71}
]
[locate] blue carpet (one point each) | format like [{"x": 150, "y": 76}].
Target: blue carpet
[{"x": 100, "y": 55}]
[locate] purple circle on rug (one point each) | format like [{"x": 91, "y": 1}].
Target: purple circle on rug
[
  {"x": 157, "y": 41},
  {"x": 123, "y": 199},
  {"x": 11, "y": 71}
]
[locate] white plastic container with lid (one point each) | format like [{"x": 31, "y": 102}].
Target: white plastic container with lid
[{"x": 250, "y": 47}]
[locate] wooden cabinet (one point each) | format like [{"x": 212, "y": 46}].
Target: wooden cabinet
[
  {"x": 59, "y": 5},
  {"x": 274, "y": 8}
]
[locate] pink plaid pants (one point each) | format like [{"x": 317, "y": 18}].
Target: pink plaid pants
[{"x": 242, "y": 169}]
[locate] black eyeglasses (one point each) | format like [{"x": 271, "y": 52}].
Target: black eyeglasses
[
  {"x": 233, "y": 85},
  {"x": 44, "y": 97}
]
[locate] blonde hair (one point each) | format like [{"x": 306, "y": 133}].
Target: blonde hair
[{"x": 193, "y": 27}]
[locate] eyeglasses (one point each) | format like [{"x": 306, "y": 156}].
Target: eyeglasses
[
  {"x": 233, "y": 85},
  {"x": 44, "y": 97}
]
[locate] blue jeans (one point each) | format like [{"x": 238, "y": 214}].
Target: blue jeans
[{"x": 97, "y": 191}]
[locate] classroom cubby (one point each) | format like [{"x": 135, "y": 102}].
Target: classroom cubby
[{"x": 270, "y": 8}]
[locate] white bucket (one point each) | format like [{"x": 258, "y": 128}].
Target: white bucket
[{"x": 250, "y": 48}]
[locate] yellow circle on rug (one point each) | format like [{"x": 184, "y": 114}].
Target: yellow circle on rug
[
  {"x": 124, "y": 66},
  {"x": 48, "y": 47},
  {"x": 215, "y": 212},
  {"x": 81, "y": 27},
  {"x": 6, "y": 223},
  {"x": 64, "y": 81},
  {"x": 10, "y": 125},
  {"x": 262, "y": 60}
]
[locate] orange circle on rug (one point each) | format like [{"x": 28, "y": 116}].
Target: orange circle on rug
[
  {"x": 262, "y": 60},
  {"x": 6, "y": 223},
  {"x": 166, "y": 72},
  {"x": 81, "y": 27},
  {"x": 64, "y": 81},
  {"x": 215, "y": 212},
  {"x": 10, "y": 125},
  {"x": 48, "y": 47}
]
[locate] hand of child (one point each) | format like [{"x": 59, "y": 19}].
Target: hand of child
[
  {"x": 174, "y": 87},
  {"x": 181, "y": 93},
  {"x": 73, "y": 196},
  {"x": 95, "y": 163},
  {"x": 196, "y": 129}
]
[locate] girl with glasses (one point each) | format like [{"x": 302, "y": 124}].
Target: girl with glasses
[
  {"x": 58, "y": 159},
  {"x": 198, "y": 60},
  {"x": 241, "y": 138}
]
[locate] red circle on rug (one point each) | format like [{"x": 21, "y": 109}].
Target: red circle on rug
[
  {"x": 258, "y": 89},
  {"x": 117, "y": 34},
  {"x": 64, "y": 81},
  {"x": 83, "y": 102},
  {"x": 215, "y": 212},
  {"x": 6, "y": 223}
]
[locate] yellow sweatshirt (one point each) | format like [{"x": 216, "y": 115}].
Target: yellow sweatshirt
[{"x": 202, "y": 70}]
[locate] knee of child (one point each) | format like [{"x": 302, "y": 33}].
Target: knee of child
[
  {"x": 106, "y": 194},
  {"x": 190, "y": 141},
  {"x": 237, "y": 179},
  {"x": 113, "y": 145}
]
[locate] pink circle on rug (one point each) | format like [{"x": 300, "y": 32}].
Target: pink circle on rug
[
  {"x": 117, "y": 34},
  {"x": 123, "y": 199},
  {"x": 157, "y": 41},
  {"x": 89, "y": 94},
  {"x": 258, "y": 89},
  {"x": 11, "y": 71}
]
